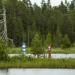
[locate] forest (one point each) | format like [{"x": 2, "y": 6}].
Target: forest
[{"x": 55, "y": 25}]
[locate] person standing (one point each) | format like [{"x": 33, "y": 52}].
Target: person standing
[{"x": 49, "y": 51}]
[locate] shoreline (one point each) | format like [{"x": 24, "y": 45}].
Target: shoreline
[{"x": 39, "y": 63}]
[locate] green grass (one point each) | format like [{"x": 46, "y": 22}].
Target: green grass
[
  {"x": 15, "y": 50},
  {"x": 54, "y": 50},
  {"x": 65, "y": 51},
  {"x": 25, "y": 62},
  {"x": 38, "y": 63}
]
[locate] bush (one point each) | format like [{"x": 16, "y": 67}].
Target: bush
[
  {"x": 65, "y": 42},
  {"x": 3, "y": 48},
  {"x": 10, "y": 43},
  {"x": 73, "y": 45}
]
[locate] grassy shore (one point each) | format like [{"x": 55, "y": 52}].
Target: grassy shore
[
  {"x": 64, "y": 51},
  {"x": 54, "y": 50},
  {"x": 38, "y": 63},
  {"x": 25, "y": 62}
]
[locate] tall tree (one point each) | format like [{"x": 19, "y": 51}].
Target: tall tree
[
  {"x": 36, "y": 45},
  {"x": 62, "y": 7},
  {"x": 72, "y": 5}
]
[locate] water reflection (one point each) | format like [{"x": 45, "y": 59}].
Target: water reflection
[
  {"x": 38, "y": 72},
  {"x": 57, "y": 56},
  {"x": 63, "y": 55}
]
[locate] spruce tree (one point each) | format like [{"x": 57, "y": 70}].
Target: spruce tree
[{"x": 36, "y": 45}]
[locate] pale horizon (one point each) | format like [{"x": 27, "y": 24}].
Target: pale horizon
[{"x": 53, "y": 2}]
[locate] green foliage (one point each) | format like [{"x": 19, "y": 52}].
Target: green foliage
[
  {"x": 65, "y": 42},
  {"x": 48, "y": 40},
  {"x": 73, "y": 45},
  {"x": 14, "y": 50},
  {"x": 17, "y": 62},
  {"x": 10, "y": 43},
  {"x": 3, "y": 50},
  {"x": 28, "y": 50},
  {"x": 36, "y": 45},
  {"x": 25, "y": 19},
  {"x": 0, "y": 4},
  {"x": 72, "y": 5},
  {"x": 58, "y": 39}
]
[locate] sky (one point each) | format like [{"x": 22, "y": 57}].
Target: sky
[{"x": 53, "y": 2}]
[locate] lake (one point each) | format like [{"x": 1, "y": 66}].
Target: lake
[
  {"x": 63, "y": 55},
  {"x": 57, "y": 56},
  {"x": 37, "y": 72}
]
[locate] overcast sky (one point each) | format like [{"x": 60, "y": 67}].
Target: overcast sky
[{"x": 53, "y": 2}]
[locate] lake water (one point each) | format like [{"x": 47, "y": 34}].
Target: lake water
[
  {"x": 63, "y": 55},
  {"x": 38, "y": 72},
  {"x": 57, "y": 56}
]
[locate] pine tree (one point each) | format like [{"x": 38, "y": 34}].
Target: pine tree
[
  {"x": 72, "y": 5},
  {"x": 36, "y": 45},
  {"x": 48, "y": 4}
]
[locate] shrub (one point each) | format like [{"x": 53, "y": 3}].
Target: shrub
[
  {"x": 10, "y": 43},
  {"x": 3, "y": 48},
  {"x": 65, "y": 42}
]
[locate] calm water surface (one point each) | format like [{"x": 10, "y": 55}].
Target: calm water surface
[
  {"x": 57, "y": 56},
  {"x": 38, "y": 72}
]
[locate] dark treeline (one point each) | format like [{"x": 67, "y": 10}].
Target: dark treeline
[{"x": 25, "y": 19}]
